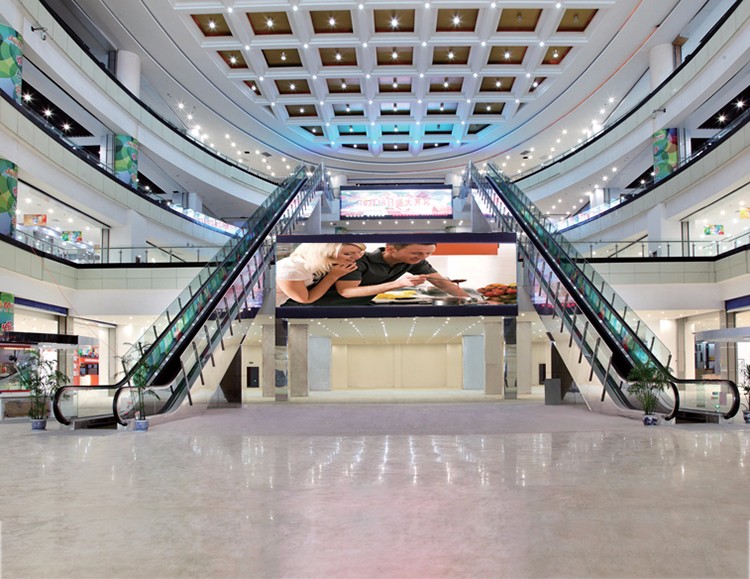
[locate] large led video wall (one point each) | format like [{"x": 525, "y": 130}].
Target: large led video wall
[
  {"x": 395, "y": 202},
  {"x": 396, "y": 275}
]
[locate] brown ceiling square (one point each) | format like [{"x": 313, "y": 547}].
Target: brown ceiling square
[
  {"x": 403, "y": 84},
  {"x": 438, "y": 85},
  {"x": 467, "y": 19},
  {"x": 385, "y": 56},
  {"x": 497, "y": 83},
  {"x": 576, "y": 19},
  {"x": 212, "y": 24},
  {"x": 555, "y": 54},
  {"x": 293, "y": 86},
  {"x": 348, "y": 56},
  {"x": 507, "y": 55},
  {"x": 316, "y": 130},
  {"x": 321, "y": 21},
  {"x": 253, "y": 87},
  {"x": 475, "y": 128},
  {"x": 519, "y": 19},
  {"x": 488, "y": 108},
  {"x": 358, "y": 146},
  {"x": 276, "y": 58},
  {"x": 233, "y": 58},
  {"x": 442, "y": 55},
  {"x": 343, "y": 85},
  {"x": 265, "y": 23},
  {"x": 537, "y": 83},
  {"x": 384, "y": 19},
  {"x": 297, "y": 111}
]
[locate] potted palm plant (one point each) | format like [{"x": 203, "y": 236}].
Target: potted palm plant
[
  {"x": 745, "y": 385},
  {"x": 139, "y": 382},
  {"x": 646, "y": 381},
  {"x": 42, "y": 379}
]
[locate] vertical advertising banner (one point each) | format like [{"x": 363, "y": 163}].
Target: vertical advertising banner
[
  {"x": 7, "y": 302},
  {"x": 8, "y": 196},
  {"x": 665, "y": 153},
  {"x": 11, "y": 58},
  {"x": 126, "y": 159}
]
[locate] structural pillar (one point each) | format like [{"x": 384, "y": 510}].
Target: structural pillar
[
  {"x": 319, "y": 363},
  {"x": 494, "y": 365},
  {"x": 664, "y": 235},
  {"x": 268, "y": 369},
  {"x": 523, "y": 356},
  {"x": 473, "y": 362},
  {"x": 297, "y": 348}
]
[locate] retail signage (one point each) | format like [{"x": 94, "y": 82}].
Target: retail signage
[
  {"x": 713, "y": 230},
  {"x": 8, "y": 196},
  {"x": 363, "y": 202},
  {"x": 11, "y": 59},
  {"x": 7, "y": 303},
  {"x": 71, "y": 236},
  {"x": 744, "y": 213},
  {"x": 31, "y": 219},
  {"x": 665, "y": 153},
  {"x": 126, "y": 159}
]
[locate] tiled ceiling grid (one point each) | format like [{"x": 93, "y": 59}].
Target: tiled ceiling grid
[{"x": 393, "y": 78}]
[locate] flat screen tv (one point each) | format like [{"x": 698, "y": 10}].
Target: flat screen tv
[
  {"x": 397, "y": 275},
  {"x": 395, "y": 202}
]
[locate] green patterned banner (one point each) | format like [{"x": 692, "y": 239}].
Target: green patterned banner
[
  {"x": 8, "y": 196},
  {"x": 665, "y": 153},
  {"x": 126, "y": 159},
  {"x": 7, "y": 302},
  {"x": 11, "y": 58}
]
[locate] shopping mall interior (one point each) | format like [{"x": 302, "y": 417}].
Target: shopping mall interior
[{"x": 573, "y": 177}]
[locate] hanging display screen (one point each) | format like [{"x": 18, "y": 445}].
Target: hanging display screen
[
  {"x": 396, "y": 275},
  {"x": 363, "y": 202}
]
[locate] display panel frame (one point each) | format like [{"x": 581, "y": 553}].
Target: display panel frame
[
  {"x": 396, "y": 202},
  {"x": 506, "y": 259}
]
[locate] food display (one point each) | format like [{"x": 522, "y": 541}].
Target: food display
[
  {"x": 400, "y": 295},
  {"x": 499, "y": 293}
]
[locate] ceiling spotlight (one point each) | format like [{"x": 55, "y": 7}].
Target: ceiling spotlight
[
  {"x": 394, "y": 54},
  {"x": 331, "y": 22},
  {"x": 498, "y": 84},
  {"x": 269, "y": 23},
  {"x": 456, "y": 20},
  {"x": 343, "y": 85},
  {"x": 446, "y": 84},
  {"x": 442, "y": 107},
  {"x": 292, "y": 86},
  {"x": 348, "y": 109},
  {"x": 451, "y": 54},
  {"x": 211, "y": 24},
  {"x": 233, "y": 59},
  {"x": 489, "y": 108},
  {"x": 394, "y": 22},
  {"x": 283, "y": 56},
  {"x": 395, "y": 107},
  {"x": 338, "y": 56},
  {"x": 395, "y": 128},
  {"x": 302, "y": 110},
  {"x": 351, "y": 129},
  {"x": 506, "y": 55},
  {"x": 395, "y": 82}
]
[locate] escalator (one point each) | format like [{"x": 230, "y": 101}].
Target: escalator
[
  {"x": 598, "y": 336},
  {"x": 194, "y": 340}
]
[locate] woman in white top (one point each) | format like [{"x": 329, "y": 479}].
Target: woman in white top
[{"x": 316, "y": 264}]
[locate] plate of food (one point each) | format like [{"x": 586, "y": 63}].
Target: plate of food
[{"x": 408, "y": 296}]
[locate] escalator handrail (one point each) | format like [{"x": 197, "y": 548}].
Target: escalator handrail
[
  {"x": 190, "y": 331},
  {"x": 564, "y": 278}
]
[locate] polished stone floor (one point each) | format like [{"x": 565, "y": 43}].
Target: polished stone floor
[{"x": 441, "y": 489}]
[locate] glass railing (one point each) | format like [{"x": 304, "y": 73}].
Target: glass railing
[
  {"x": 630, "y": 194},
  {"x": 580, "y": 293},
  {"x": 223, "y": 290},
  {"x": 646, "y": 248}
]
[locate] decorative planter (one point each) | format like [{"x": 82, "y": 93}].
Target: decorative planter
[
  {"x": 650, "y": 420},
  {"x": 38, "y": 424},
  {"x": 746, "y": 416},
  {"x": 141, "y": 424}
]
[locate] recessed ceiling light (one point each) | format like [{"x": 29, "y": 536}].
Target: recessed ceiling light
[{"x": 332, "y": 22}]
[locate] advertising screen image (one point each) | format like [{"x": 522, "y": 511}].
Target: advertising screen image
[
  {"x": 397, "y": 202},
  {"x": 401, "y": 275}
]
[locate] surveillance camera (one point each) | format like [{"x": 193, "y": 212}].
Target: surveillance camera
[{"x": 43, "y": 35}]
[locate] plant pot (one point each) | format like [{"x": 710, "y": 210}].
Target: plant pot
[
  {"x": 141, "y": 424},
  {"x": 650, "y": 420},
  {"x": 38, "y": 424},
  {"x": 746, "y": 416}
]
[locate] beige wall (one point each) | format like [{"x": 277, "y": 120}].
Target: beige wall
[{"x": 396, "y": 366}]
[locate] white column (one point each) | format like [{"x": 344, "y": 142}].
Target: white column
[
  {"x": 298, "y": 381},
  {"x": 319, "y": 363},
  {"x": 268, "y": 376},
  {"x": 493, "y": 358},
  {"x": 662, "y": 230},
  {"x": 661, "y": 63},
  {"x": 473, "y": 362},
  {"x": 129, "y": 71},
  {"x": 523, "y": 351}
]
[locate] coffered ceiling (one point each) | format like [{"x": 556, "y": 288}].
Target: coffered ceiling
[{"x": 385, "y": 87}]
